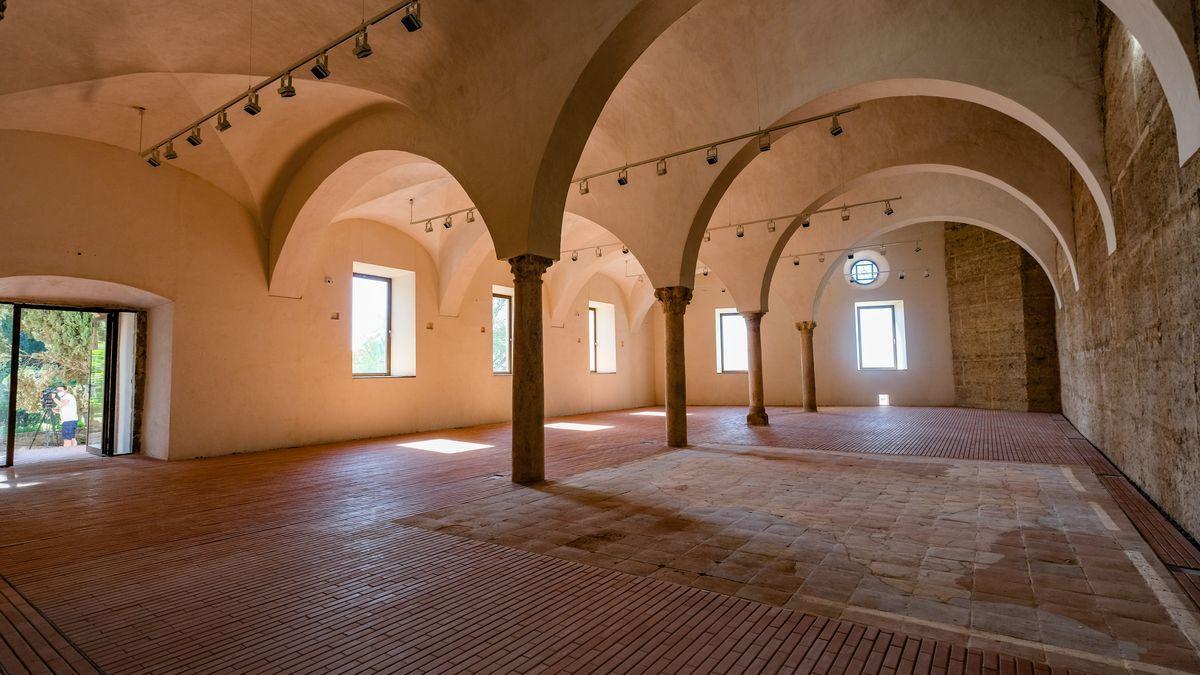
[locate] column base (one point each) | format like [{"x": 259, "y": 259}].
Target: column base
[
  {"x": 758, "y": 418},
  {"x": 810, "y": 408}
]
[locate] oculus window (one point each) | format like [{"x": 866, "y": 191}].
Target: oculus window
[
  {"x": 732, "y": 348},
  {"x": 383, "y": 322},
  {"x": 602, "y": 337},
  {"x": 864, "y": 272},
  {"x": 502, "y": 330},
  {"x": 879, "y": 331}
]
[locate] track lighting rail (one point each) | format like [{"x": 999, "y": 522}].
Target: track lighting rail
[
  {"x": 789, "y": 216},
  {"x": 263, "y": 84},
  {"x": 660, "y": 160}
]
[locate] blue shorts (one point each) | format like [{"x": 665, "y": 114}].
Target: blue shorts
[{"x": 68, "y": 430}]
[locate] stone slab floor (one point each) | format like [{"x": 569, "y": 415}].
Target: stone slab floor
[{"x": 858, "y": 540}]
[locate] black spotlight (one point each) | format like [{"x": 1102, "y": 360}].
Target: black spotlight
[
  {"x": 836, "y": 129},
  {"x": 625, "y": 250},
  {"x": 320, "y": 68},
  {"x": 887, "y": 209},
  {"x": 849, "y": 256},
  {"x": 741, "y": 231},
  {"x": 449, "y": 223},
  {"x": 902, "y": 276},
  {"x": 796, "y": 262},
  {"x": 223, "y": 121},
  {"x": 412, "y": 17},
  {"x": 193, "y": 138},
  {"x": 152, "y": 159},
  {"x": 286, "y": 89},
  {"x": 362, "y": 48},
  {"x": 252, "y": 107},
  {"x": 705, "y": 271},
  {"x": 712, "y": 157},
  {"x": 170, "y": 151},
  {"x": 806, "y": 222},
  {"x": 574, "y": 256},
  {"x": 623, "y": 177}
]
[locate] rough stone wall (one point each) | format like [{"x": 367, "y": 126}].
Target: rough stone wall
[
  {"x": 1001, "y": 323},
  {"x": 1128, "y": 337}
]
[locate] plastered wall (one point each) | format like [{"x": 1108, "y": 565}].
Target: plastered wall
[
  {"x": 1128, "y": 338},
  {"x": 928, "y": 381},
  {"x": 239, "y": 370}
]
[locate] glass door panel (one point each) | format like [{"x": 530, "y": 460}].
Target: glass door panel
[
  {"x": 7, "y": 380},
  {"x": 93, "y": 419}
]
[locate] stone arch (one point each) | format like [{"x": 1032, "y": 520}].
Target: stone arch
[
  {"x": 329, "y": 171},
  {"x": 828, "y": 273},
  {"x": 977, "y": 199}
]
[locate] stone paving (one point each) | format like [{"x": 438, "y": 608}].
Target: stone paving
[{"x": 1031, "y": 559}]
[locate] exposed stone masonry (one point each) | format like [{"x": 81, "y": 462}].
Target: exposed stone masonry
[
  {"x": 1128, "y": 336},
  {"x": 1001, "y": 323}
]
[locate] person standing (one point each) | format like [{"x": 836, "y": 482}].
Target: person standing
[{"x": 68, "y": 412}]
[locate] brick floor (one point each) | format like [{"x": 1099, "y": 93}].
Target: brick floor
[{"x": 293, "y": 560}]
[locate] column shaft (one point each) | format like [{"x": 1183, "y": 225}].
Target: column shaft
[
  {"x": 757, "y": 414},
  {"x": 809, "y": 375},
  {"x": 528, "y": 386},
  {"x": 674, "y": 301}
]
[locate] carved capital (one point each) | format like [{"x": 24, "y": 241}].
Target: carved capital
[
  {"x": 752, "y": 318},
  {"x": 529, "y": 268},
  {"x": 674, "y": 299},
  {"x": 806, "y": 326}
]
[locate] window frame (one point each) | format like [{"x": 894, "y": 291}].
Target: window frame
[
  {"x": 594, "y": 342},
  {"x": 874, "y": 268},
  {"x": 509, "y": 337},
  {"x": 891, "y": 307},
  {"x": 388, "y": 347},
  {"x": 721, "y": 369}
]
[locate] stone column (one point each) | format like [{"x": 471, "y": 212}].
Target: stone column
[
  {"x": 674, "y": 301},
  {"x": 528, "y": 386},
  {"x": 757, "y": 416},
  {"x": 809, "y": 375}
]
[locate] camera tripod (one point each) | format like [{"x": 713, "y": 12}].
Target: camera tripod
[{"x": 47, "y": 419}]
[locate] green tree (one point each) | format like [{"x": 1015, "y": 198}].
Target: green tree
[{"x": 55, "y": 349}]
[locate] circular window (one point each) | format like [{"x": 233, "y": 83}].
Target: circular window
[{"x": 864, "y": 272}]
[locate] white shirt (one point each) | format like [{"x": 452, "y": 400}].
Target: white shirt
[{"x": 68, "y": 408}]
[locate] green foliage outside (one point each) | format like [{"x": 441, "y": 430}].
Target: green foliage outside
[
  {"x": 371, "y": 355},
  {"x": 55, "y": 350}
]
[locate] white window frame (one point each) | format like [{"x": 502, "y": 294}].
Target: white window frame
[
  {"x": 503, "y": 292},
  {"x": 721, "y": 369},
  {"x": 402, "y": 354},
  {"x": 899, "y": 345},
  {"x": 602, "y": 338}
]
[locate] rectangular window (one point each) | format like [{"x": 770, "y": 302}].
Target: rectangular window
[
  {"x": 879, "y": 329},
  {"x": 732, "y": 349},
  {"x": 383, "y": 318},
  {"x": 502, "y": 322},
  {"x": 592, "y": 339},
  {"x": 371, "y": 319},
  {"x": 602, "y": 337}
]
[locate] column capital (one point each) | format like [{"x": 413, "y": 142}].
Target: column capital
[
  {"x": 806, "y": 326},
  {"x": 752, "y": 317},
  {"x": 529, "y": 267},
  {"x": 674, "y": 299}
]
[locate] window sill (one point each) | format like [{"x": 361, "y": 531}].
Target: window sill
[
  {"x": 732, "y": 372},
  {"x": 383, "y": 377},
  {"x": 502, "y": 374},
  {"x": 602, "y": 372}
]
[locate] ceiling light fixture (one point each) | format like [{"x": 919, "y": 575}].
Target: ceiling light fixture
[
  {"x": 320, "y": 67},
  {"x": 428, "y": 226},
  {"x": 805, "y": 217},
  {"x": 170, "y": 153},
  {"x": 796, "y": 261},
  {"x": 850, "y": 256},
  {"x": 574, "y": 256},
  {"x": 845, "y": 214},
  {"x": 362, "y": 47},
  {"x": 448, "y": 223},
  {"x": 820, "y": 257},
  {"x": 193, "y": 138},
  {"x": 471, "y": 215},
  {"x": 806, "y": 223},
  {"x": 835, "y": 129},
  {"x": 741, "y": 231},
  {"x": 252, "y": 107},
  {"x": 887, "y": 208},
  {"x": 623, "y": 177},
  {"x": 918, "y": 248},
  {"x": 711, "y": 148},
  {"x": 317, "y": 61},
  {"x": 624, "y": 249},
  {"x": 223, "y": 121},
  {"x": 286, "y": 89},
  {"x": 901, "y": 275},
  {"x": 707, "y": 235},
  {"x": 599, "y": 252},
  {"x": 583, "y": 187},
  {"x": 412, "y": 17},
  {"x": 882, "y": 250},
  {"x": 770, "y": 226},
  {"x": 661, "y": 168},
  {"x": 152, "y": 159},
  {"x": 926, "y": 274}
]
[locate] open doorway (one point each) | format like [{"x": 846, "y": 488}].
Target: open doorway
[{"x": 67, "y": 380}]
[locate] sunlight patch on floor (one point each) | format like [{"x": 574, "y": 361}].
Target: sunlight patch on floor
[{"x": 444, "y": 446}]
